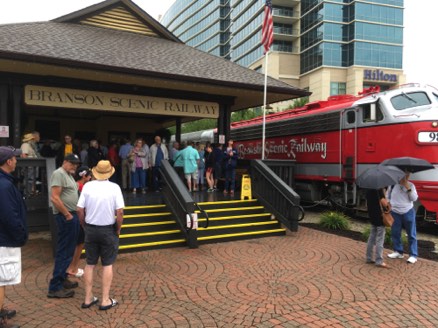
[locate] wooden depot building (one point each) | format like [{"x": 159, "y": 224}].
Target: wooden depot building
[{"x": 111, "y": 70}]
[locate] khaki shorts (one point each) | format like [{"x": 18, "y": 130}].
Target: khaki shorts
[
  {"x": 10, "y": 266},
  {"x": 192, "y": 176}
]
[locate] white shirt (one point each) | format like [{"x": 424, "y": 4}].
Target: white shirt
[
  {"x": 401, "y": 200},
  {"x": 101, "y": 199}
]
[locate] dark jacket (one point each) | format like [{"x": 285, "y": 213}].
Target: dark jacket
[
  {"x": 210, "y": 159},
  {"x": 13, "y": 227},
  {"x": 218, "y": 155},
  {"x": 373, "y": 204},
  {"x": 94, "y": 156},
  {"x": 230, "y": 161},
  {"x": 60, "y": 154}
]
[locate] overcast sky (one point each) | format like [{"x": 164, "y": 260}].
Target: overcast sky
[{"x": 420, "y": 23}]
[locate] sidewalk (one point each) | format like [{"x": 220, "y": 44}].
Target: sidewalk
[{"x": 305, "y": 279}]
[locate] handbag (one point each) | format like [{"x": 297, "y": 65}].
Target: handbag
[
  {"x": 387, "y": 219},
  {"x": 131, "y": 158}
]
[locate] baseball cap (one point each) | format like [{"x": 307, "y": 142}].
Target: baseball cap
[
  {"x": 72, "y": 158},
  {"x": 7, "y": 152}
]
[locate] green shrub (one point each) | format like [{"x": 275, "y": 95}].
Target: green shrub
[
  {"x": 334, "y": 221},
  {"x": 388, "y": 240}
]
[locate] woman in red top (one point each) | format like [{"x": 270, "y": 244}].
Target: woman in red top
[
  {"x": 84, "y": 175},
  {"x": 114, "y": 158}
]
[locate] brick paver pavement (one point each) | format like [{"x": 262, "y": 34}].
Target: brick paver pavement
[{"x": 305, "y": 279}]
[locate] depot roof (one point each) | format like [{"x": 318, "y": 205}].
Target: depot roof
[{"x": 116, "y": 36}]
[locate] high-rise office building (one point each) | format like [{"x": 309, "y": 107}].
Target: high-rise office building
[{"x": 329, "y": 47}]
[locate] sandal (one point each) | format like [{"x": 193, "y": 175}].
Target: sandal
[
  {"x": 94, "y": 301},
  {"x": 107, "y": 307},
  {"x": 383, "y": 265}
]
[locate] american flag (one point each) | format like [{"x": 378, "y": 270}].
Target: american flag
[{"x": 267, "y": 27}]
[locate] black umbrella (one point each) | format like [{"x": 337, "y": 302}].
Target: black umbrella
[
  {"x": 410, "y": 164},
  {"x": 379, "y": 176}
]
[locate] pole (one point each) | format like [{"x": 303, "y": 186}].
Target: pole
[{"x": 264, "y": 104}]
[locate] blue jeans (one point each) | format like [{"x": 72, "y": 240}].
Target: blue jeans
[
  {"x": 138, "y": 178},
  {"x": 376, "y": 238},
  {"x": 407, "y": 221},
  {"x": 68, "y": 232},
  {"x": 230, "y": 177}
]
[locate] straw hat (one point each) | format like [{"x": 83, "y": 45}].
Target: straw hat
[
  {"x": 103, "y": 170},
  {"x": 28, "y": 137}
]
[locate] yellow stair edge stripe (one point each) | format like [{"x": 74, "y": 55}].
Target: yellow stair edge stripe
[
  {"x": 155, "y": 243},
  {"x": 247, "y": 216},
  {"x": 130, "y": 216},
  {"x": 149, "y": 224},
  {"x": 144, "y": 234},
  {"x": 252, "y": 233},
  {"x": 144, "y": 206},
  {"x": 239, "y": 225},
  {"x": 228, "y": 202},
  {"x": 232, "y": 209}
]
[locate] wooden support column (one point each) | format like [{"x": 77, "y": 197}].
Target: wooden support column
[
  {"x": 178, "y": 129},
  {"x": 224, "y": 121},
  {"x": 17, "y": 101},
  {"x": 4, "y": 111}
]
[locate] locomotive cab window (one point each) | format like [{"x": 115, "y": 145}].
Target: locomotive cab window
[
  {"x": 351, "y": 117},
  {"x": 371, "y": 113},
  {"x": 410, "y": 100}
]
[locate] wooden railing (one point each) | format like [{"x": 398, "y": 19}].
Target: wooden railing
[{"x": 33, "y": 175}]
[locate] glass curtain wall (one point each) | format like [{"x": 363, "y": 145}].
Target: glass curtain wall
[{"x": 345, "y": 33}]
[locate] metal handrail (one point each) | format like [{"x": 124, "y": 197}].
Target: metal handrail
[
  {"x": 277, "y": 196},
  {"x": 207, "y": 220},
  {"x": 180, "y": 202}
]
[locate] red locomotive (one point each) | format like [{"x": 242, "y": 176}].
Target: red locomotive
[{"x": 334, "y": 141}]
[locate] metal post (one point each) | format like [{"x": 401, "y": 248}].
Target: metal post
[{"x": 264, "y": 104}]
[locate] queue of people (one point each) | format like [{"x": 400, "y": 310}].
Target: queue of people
[
  {"x": 200, "y": 166},
  {"x": 137, "y": 164}
]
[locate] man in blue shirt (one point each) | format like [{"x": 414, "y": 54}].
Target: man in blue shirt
[{"x": 157, "y": 152}]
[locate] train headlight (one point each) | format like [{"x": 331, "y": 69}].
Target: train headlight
[{"x": 434, "y": 124}]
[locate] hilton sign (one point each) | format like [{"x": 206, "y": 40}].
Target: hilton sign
[{"x": 378, "y": 75}]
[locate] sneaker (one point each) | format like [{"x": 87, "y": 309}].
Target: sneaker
[
  {"x": 412, "y": 259},
  {"x": 68, "y": 284},
  {"x": 6, "y": 313},
  {"x": 62, "y": 293},
  {"x": 210, "y": 190},
  {"x": 395, "y": 255}
]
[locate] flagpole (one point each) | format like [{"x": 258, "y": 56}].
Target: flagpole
[{"x": 265, "y": 91}]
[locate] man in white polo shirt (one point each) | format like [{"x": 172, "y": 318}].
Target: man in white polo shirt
[{"x": 99, "y": 203}]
